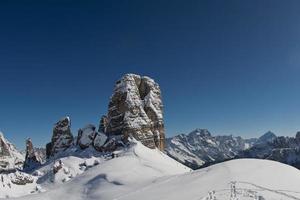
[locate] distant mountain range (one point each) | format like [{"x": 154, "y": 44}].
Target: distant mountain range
[{"x": 200, "y": 149}]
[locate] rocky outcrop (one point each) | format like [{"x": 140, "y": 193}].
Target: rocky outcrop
[
  {"x": 10, "y": 157},
  {"x": 32, "y": 159},
  {"x": 62, "y": 137},
  {"x": 136, "y": 109},
  {"x": 20, "y": 178}
]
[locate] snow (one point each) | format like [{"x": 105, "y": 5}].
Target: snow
[{"x": 141, "y": 173}]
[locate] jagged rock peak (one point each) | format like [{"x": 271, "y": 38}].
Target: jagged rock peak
[
  {"x": 267, "y": 137},
  {"x": 62, "y": 137},
  {"x": 136, "y": 109},
  {"x": 31, "y": 158}
]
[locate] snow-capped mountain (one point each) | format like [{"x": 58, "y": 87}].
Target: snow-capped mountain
[
  {"x": 199, "y": 148},
  {"x": 282, "y": 149},
  {"x": 10, "y": 157}
]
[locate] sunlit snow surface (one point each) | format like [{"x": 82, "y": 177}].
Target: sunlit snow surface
[{"x": 140, "y": 173}]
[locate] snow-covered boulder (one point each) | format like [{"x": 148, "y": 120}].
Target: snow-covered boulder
[
  {"x": 99, "y": 141},
  {"x": 86, "y": 136},
  {"x": 62, "y": 137},
  {"x": 135, "y": 108},
  {"x": 10, "y": 157}
]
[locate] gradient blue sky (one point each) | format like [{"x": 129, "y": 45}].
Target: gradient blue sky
[{"x": 232, "y": 67}]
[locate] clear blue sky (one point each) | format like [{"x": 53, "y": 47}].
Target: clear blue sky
[{"x": 232, "y": 67}]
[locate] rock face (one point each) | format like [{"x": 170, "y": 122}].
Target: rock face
[
  {"x": 32, "y": 159},
  {"x": 10, "y": 157},
  {"x": 136, "y": 109},
  {"x": 62, "y": 137}
]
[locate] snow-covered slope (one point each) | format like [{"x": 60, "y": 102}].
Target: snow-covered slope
[
  {"x": 135, "y": 176},
  {"x": 247, "y": 179},
  {"x": 141, "y": 173},
  {"x": 80, "y": 178}
]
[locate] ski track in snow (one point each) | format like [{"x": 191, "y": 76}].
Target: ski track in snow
[
  {"x": 271, "y": 190},
  {"x": 248, "y": 190}
]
